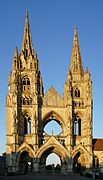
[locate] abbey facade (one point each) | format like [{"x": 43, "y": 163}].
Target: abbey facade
[{"x": 28, "y": 110}]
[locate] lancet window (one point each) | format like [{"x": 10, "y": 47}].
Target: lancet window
[
  {"x": 27, "y": 125},
  {"x": 26, "y": 84},
  {"x": 26, "y": 101},
  {"x": 77, "y": 92},
  {"x": 77, "y": 126},
  {"x": 20, "y": 64},
  {"x": 25, "y": 53}
]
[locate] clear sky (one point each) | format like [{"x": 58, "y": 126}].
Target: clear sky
[{"x": 52, "y": 24}]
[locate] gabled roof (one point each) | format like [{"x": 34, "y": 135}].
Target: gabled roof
[
  {"x": 52, "y": 91},
  {"x": 98, "y": 144},
  {"x": 52, "y": 98}
]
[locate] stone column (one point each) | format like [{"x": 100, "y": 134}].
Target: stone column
[
  {"x": 36, "y": 165},
  {"x": 70, "y": 165},
  {"x": 64, "y": 169}
]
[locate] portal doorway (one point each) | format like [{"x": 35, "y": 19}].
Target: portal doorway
[
  {"x": 25, "y": 164},
  {"x": 53, "y": 163},
  {"x": 79, "y": 163}
]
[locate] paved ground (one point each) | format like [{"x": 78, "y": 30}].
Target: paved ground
[{"x": 44, "y": 177}]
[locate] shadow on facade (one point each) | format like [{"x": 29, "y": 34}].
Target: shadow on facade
[{"x": 26, "y": 163}]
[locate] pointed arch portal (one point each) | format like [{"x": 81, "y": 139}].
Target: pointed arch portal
[
  {"x": 53, "y": 163},
  {"x": 51, "y": 160},
  {"x": 79, "y": 163},
  {"x": 51, "y": 147},
  {"x": 25, "y": 162}
]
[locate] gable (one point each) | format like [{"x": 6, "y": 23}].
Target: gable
[
  {"x": 52, "y": 98},
  {"x": 52, "y": 142}
]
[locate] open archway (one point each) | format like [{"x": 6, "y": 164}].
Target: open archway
[
  {"x": 25, "y": 162},
  {"x": 53, "y": 146},
  {"x": 79, "y": 163},
  {"x": 24, "y": 158},
  {"x": 53, "y": 163}
]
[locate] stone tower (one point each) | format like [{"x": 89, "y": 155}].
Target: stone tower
[
  {"x": 78, "y": 102},
  {"x": 23, "y": 102},
  {"x": 28, "y": 110}
]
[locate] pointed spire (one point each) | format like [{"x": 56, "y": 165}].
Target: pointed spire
[
  {"x": 27, "y": 40},
  {"x": 76, "y": 62}
]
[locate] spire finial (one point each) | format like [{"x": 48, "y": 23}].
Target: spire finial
[
  {"x": 75, "y": 28},
  {"x": 26, "y": 13},
  {"x": 75, "y": 34}
]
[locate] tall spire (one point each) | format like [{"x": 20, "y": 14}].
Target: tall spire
[
  {"x": 27, "y": 47},
  {"x": 76, "y": 61}
]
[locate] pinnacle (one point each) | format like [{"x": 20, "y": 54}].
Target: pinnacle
[
  {"x": 87, "y": 71},
  {"x": 16, "y": 52}
]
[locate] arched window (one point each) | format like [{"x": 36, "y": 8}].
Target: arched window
[
  {"x": 79, "y": 104},
  {"x": 25, "y": 53},
  {"x": 25, "y": 84},
  {"x": 30, "y": 100},
  {"x": 95, "y": 162},
  {"x": 26, "y": 101},
  {"x": 27, "y": 125},
  {"x": 35, "y": 65},
  {"x": 77, "y": 92},
  {"x": 23, "y": 101},
  {"x": 77, "y": 126},
  {"x": 20, "y": 64},
  {"x": 74, "y": 104},
  {"x": 30, "y": 65},
  {"x": 15, "y": 64}
]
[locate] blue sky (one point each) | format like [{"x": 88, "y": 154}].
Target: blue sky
[{"x": 52, "y": 25}]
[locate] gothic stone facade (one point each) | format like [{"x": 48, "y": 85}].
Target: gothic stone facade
[{"x": 28, "y": 110}]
